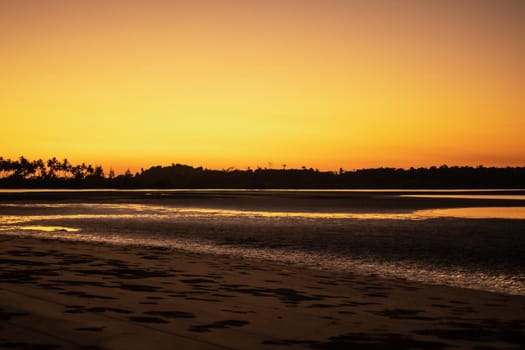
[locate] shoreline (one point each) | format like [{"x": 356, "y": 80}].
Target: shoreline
[
  {"x": 303, "y": 261},
  {"x": 73, "y": 294}
]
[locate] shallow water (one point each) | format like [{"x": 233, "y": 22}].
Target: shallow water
[
  {"x": 469, "y": 196},
  {"x": 475, "y": 247}
]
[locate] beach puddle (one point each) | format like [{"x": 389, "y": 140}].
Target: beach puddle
[
  {"x": 514, "y": 197},
  {"x": 43, "y": 228},
  {"x": 475, "y": 213}
]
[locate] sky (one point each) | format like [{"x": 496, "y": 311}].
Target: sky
[{"x": 327, "y": 84}]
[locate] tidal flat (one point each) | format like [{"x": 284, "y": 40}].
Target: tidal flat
[{"x": 261, "y": 269}]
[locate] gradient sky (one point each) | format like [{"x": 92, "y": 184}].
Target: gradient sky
[{"x": 325, "y": 83}]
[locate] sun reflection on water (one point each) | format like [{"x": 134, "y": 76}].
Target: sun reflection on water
[
  {"x": 48, "y": 228},
  {"x": 96, "y": 210}
]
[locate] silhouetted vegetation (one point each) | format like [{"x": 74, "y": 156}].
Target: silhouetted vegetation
[{"x": 53, "y": 173}]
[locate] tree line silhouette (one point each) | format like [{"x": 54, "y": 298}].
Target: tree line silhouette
[
  {"x": 53, "y": 173},
  {"x": 50, "y": 173}
]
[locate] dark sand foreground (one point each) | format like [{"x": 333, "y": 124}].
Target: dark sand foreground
[{"x": 69, "y": 295}]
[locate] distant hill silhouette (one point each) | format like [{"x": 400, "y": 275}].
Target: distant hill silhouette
[{"x": 53, "y": 173}]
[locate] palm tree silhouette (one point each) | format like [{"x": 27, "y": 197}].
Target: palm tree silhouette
[
  {"x": 53, "y": 164},
  {"x": 66, "y": 168}
]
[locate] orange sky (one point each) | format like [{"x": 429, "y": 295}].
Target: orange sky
[{"x": 325, "y": 84}]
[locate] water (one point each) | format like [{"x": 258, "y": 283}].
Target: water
[
  {"x": 438, "y": 242},
  {"x": 469, "y": 196}
]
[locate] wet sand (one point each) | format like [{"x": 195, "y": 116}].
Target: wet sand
[{"x": 70, "y": 295}]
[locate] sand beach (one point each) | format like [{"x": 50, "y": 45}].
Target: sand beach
[{"x": 69, "y": 295}]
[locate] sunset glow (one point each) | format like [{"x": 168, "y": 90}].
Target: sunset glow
[{"x": 326, "y": 84}]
